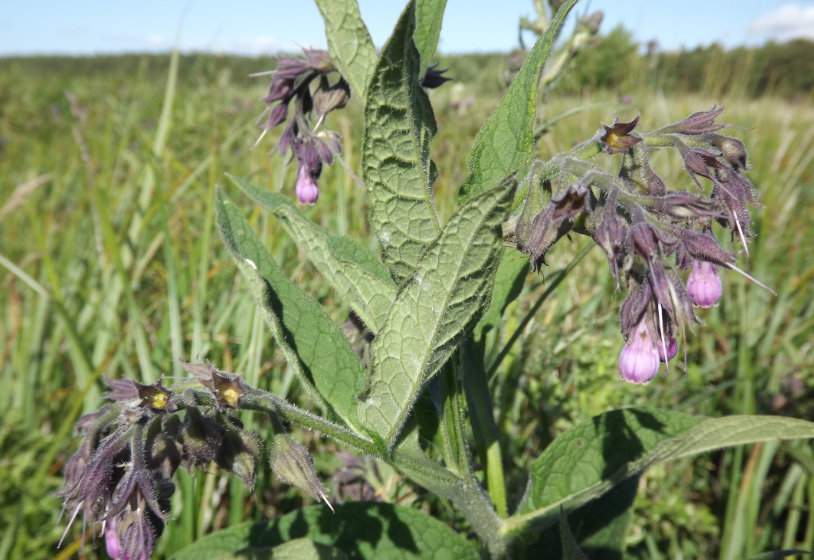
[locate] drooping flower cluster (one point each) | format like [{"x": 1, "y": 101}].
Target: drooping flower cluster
[
  {"x": 120, "y": 478},
  {"x": 659, "y": 242},
  {"x": 304, "y": 88}
]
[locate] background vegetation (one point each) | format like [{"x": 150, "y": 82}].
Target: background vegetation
[{"x": 111, "y": 267}]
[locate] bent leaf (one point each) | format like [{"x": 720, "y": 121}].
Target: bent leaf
[
  {"x": 505, "y": 142},
  {"x": 428, "y": 17},
  {"x": 357, "y": 529},
  {"x": 440, "y": 303},
  {"x": 354, "y": 272},
  {"x": 311, "y": 342},
  {"x": 352, "y": 50},
  {"x": 600, "y": 453},
  {"x": 395, "y": 154}
]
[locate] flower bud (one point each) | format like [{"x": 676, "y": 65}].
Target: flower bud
[
  {"x": 113, "y": 545},
  {"x": 732, "y": 149},
  {"x": 326, "y": 99},
  {"x": 293, "y": 464},
  {"x": 698, "y": 123},
  {"x": 704, "y": 284},
  {"x": 434, "y": 78},
  {"x": 639, "y": 358},
  {"x": 672, "y": 350},
  {"x": 307, "y": 189}
]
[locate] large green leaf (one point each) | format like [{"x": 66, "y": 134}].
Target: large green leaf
[
  {"x": 505, "y": 143},
  {"x": 395, "y": 154},
  {"x": 359, "y": 529},
  {"x": 311, "y": 342},
  {"x": 428, "y": 17},
  {"x": 440, "y": 303},
  {"x": 349, "y": 43},
  {"x": 600, "y": 453},
  {"x": 359, "y": 278}
]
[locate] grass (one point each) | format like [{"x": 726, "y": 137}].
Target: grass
[{"x": 111, "y": 266}]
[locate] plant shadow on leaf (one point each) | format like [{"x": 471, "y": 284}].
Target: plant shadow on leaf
[
  {"x": 356, "y": 531},
  {"x": 620, "y": 443},
  {"x": 599, "y": 526}
]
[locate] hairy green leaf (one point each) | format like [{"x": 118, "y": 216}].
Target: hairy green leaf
[
  {"x": 395, "y": 154},
  {"x": 359, "y": 278},
  {"x": 311, "y": 342},
  {"x": 505, "y": 143},
  {"x": 439, "y": 304},
  {"x": 358, "y": 529},
  {"x": 428, "y": 17},
  {"x": 600, "y": 453},
  {"x": 349, "y": 43}
]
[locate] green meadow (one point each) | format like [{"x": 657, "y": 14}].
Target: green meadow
[{"x": 110, "y": 266}]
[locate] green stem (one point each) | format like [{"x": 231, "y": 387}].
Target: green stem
[
  {"x": 456, "y": 455},
  {"x": 484, "y": 426},
  {"x": 463, "y": 492}
]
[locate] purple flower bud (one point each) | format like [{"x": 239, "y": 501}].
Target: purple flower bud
[
  {"x": 307, "y": 188},
  {"x": 113, "y": 545},
  {"x": 278, "y": 115},
  {"x": 697, "y": 123},
  {"x": 639, "y": 358},
  {"x": 672, "y": 350},
  {"x": 434, "y": 78},
  {"x": 704, "y": 284}
]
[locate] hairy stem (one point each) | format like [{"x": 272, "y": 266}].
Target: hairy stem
[{"x": 484, "y": 426}]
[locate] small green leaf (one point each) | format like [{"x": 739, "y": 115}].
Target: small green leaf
[
  {"x": 505, "y": 143},
  {"x": 359, "y": 530},
  {"x": 311, "y": 342},
  {"x": 395, "y": 154},
  {"x": 439, "y": 304},
  {"x": 349, "y": 43},
  {"x": 354, "y": 272},
  {"x": 428, "y": 17},
  {"x": 600, "y": 453}
]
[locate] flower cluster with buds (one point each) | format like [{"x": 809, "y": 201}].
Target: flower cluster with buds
[
  {"x": 659, "y": 242},
  {"x": 120, "y": 478},
  {"x": 306, "y": 88}
]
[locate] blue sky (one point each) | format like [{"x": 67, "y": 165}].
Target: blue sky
[{"x": 255, "y": 26}]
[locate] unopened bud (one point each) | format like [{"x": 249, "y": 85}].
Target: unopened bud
[
  {"x": 293, "y": 464},
  {"x": 704, "y": 284}
]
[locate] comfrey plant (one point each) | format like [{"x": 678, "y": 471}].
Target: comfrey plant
[{"x": 413, "y": 391}]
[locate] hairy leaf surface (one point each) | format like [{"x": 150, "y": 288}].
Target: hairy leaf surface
[
  {"x": 395, "y": 154},
  {"x": 505, "y": 143},
  {"x": 359, "y": 278},
  {"x": 311, "y": 342},
  {"x": 440, "y": 303},
  {"x": 358, "y": 529},
  {"x": 595, "y": 455},
  {"x": 349, "y": 43}
]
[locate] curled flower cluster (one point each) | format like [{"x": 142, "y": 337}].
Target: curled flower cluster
[
  {"x": 304, "y": 85},
  {"x": 120, "y": 478},
  {"x": 659, "y": 242}
]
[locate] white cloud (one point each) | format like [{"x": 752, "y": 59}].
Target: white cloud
[{"x": 786, "y": 22}]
